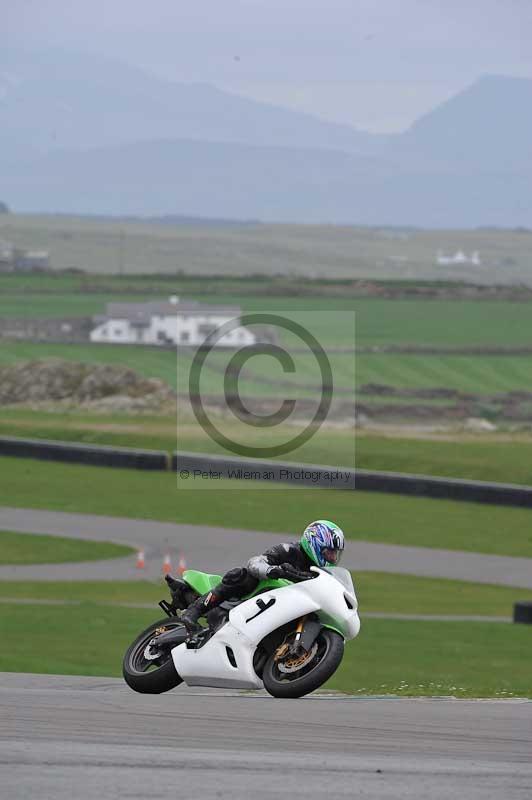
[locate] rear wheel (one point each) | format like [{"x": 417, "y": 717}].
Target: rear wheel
[
  {"x": 296, "y": 676},
  {"x": 150, "y": 670}
]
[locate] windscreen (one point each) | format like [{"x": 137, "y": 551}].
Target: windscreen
[{"x": 342, "y": 575}]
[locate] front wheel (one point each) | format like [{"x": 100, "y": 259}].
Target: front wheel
[
  {"x": 150, "y": 671},
  {"x": 297, "y": 676}
]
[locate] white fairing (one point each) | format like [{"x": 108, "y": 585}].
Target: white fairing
[{"x": 331, "y": 598}]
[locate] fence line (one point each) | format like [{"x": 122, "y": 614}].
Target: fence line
[
  {"x": 341, "y": 478},
  {"x": 78, "y": 453}
]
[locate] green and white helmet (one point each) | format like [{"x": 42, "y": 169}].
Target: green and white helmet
[{"x": 323, "y": 542}]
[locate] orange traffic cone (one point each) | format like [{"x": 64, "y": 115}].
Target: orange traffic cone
[
  {"x": 167, "y": 564},
  {"x": 141, "y": 564},
  {"x": 181, "y": 567}
]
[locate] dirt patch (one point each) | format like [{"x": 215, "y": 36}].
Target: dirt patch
[{"x": 107, "y": 387}]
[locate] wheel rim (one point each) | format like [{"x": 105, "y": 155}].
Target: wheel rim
[
  {"x": 283, "y": 673},
  {"x": 138, "y": 662},
  {"x": 296, "y": 663}
]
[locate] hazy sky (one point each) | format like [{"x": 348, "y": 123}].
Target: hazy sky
[{"x": 377, "y": 64}]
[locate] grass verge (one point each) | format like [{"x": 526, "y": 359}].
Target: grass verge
[
  {"x": 411, "y": 594},
  {"x": 29, "y": 548},
  {"x": 464, "y": 659},
  {"x": 363, "y": 515},
  {"x": 389, "y": 657},
  {"x": 506, "y": 458}
]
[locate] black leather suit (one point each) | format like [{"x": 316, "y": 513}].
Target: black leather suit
[{"x": 236, "y": 583}]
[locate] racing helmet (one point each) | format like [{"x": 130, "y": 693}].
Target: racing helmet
[{"x": 323, "y": 542}]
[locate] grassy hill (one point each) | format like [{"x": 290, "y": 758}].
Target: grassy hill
[{"x": 108, "y": 246}]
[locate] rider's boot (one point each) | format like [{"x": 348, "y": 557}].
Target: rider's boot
[{"x": 198, "y": 608}]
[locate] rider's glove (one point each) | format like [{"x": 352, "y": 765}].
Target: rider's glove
[
  {"x": 289, "y": 572},
  {"x": 275, "y": 572},
  {"x": 293, "y": 573}
]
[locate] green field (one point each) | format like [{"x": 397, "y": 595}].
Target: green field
[
  {"x": 104, "y": 632},
  {"x": 378, "y": 321},
  {"x": 485, "y": 375},
  {"x": 416, "y": 322},
  {"x": 505, "y": 458},
  {"x": 44, "y": 306},
  {"x": 363, "y": 515},
  {"x": 110, "y": 246},
  {"x": 462, "y": 659},
  {"x": 28, "y": 548},
  {"x": 411, "y": 594}
]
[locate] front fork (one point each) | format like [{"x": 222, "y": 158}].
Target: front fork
[{"x": 301, "y": 639}]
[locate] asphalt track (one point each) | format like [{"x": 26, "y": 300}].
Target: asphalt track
[
  {"x": 65, "y": 737},
  {"x": 218, "y": 549}
]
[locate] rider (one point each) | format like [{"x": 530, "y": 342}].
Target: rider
[{"x": 321, "y": 545}]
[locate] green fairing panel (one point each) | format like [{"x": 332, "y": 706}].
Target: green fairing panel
[{"x": 202, "y": 582}]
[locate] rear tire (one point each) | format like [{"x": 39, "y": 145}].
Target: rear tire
[
  {"x": 146, "y": 676},
  {"x": 313, "y": 675}
]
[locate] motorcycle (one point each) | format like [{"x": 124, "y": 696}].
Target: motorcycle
[{"x": 287, "y": 636}]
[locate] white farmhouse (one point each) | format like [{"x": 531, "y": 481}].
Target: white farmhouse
[
  {"x": 459, "y": 258},
  {"x": 169, "y": 323}
]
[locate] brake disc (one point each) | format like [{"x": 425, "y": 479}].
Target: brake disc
[
  {"x": 149, "y": 655},
  {"x": 295, "y": 663}
]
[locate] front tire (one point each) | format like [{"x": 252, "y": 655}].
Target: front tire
[
  {"x": 151, "y": 675},
  {"x": 280, "y": 682}
]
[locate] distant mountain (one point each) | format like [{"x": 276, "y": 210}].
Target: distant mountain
[
  {"x": 81, "y": 134},
  {"x": 273, "y": 184},
  {"x": 488, "y": 126},
  {"x": 55, "y": 100},
  {"x": 183, "y": 177}
]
